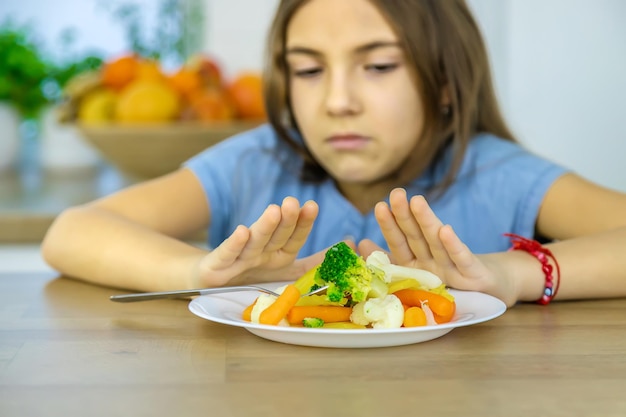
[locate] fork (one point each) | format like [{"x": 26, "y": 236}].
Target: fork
[{"x": 145, "y": 296}]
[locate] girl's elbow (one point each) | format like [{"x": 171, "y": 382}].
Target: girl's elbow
[{"x": 57, "y": 238}]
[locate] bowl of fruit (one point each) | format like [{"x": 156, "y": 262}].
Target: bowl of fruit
[{"x": 146, "y": 122}]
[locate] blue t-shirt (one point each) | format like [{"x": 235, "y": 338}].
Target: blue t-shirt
[{"x": 498, "y": 189}]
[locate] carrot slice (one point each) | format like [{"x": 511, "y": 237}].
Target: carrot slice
[
  {"x": 279, "y": 308},
  {"x": 330, "y": 314},
  {"x": 414, "y": 317},
  {"x": 442, "y": 308},
  {"x": 247, "y": 313}
]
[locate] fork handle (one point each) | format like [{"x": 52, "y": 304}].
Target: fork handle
[
  {"x": 129, "y": 298},
  {"x": 145, "y": 296}
]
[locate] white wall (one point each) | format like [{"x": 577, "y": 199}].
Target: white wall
[
  {"x": 236, "y": 31},
  {"x": 567, "y": 83},
  {"x": 561, "y": 74}
]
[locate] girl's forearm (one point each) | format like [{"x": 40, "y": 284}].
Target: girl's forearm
[
  {"x": 591, "y": 266},
  {"x": 103, "y": 248}
]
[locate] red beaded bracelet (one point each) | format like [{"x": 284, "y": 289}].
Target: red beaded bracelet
[{"x": 535, "y": 249}]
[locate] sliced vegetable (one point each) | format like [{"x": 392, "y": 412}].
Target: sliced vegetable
[
  {"x": 414, "y": 317},
  {"x": 247, "y": 312},
  {"x": 329, "y": 314},
  {"x": 430, "y": 317},
  {"x": 312, "y": 322},
  {"x": 394, "y": 272},
  {"x": 427, "y": 279},
  {"x": 442, "y": 308},
  {"x": 442, "y": 290},
  {"x": 318, "y": 300},
  {"x": 279, "y": 308},
  {"x": 404, "y": 284},
  {"x": 306, "y": 281}
]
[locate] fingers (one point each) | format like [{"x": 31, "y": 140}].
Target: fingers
[
  {"x": 394, "y": 235},
  {"x": 230, "y": 249},
  {"x": 457, "y": 251},
  {"x": 366, "y": 247},
  {"x": 470, "y": 272},
  {"x": 401, "y": 229},
  {"x": 289, "y": 212},
  {"x": 412, "y": 230},
  {"x": 283, "y": 228},
  {"x": 300, "y": 233},
  {"x": 410, "y": 223},
  {"x": 430, "y": 227},
  {"x": 261, "y": 231}
]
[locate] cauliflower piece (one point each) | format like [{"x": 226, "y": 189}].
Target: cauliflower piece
[
  {"x": 358, "y": 315},
  {"x": 263, "y": 301},
  {"x": 380, "y": 260},
  {"x": 381, "y": 313}
]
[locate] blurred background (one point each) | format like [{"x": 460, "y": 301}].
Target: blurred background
[{"x": 559, "y": 67}]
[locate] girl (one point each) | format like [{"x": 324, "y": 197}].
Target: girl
[{"x": 375, "y": 108}]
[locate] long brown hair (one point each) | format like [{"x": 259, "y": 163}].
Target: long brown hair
[{"x": 446, "y": 50}]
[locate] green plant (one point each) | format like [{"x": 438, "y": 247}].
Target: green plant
[
  {"x": 22, "y": 71},
  {"x": 29, "y": 80},
  {"x": 60, "y": 74}
]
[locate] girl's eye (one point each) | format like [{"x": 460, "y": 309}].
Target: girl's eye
[
  {"x": 381, "y": 68},
  {"x": 307, "y": 72}
]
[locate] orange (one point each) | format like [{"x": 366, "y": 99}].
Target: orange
[
  {"x": 149, "y": 70},
  {"x": 144, "y": 101},
  {"x": 208, "y": 70},
  {"x": 116, "y": 74},
  {"x": 211, "y": 105},
  {"x": 246, "y": 91},
  {"x": 186, "y": 82}
]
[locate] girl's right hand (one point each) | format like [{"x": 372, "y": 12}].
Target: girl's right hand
[
  {"x": 417, "y": 238},
  {"x": 265, "y": 251}
]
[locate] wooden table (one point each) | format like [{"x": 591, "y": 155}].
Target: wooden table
[{"x": 66, "y": 350}]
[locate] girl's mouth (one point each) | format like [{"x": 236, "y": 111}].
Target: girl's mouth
[{"x": 348, "y": 141}]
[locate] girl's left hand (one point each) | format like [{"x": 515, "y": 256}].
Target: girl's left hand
[{"x": 418, "y": 239}]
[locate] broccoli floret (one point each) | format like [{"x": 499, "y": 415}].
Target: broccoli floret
[
  {"x": 348, "y": 276},
  {"x": 312, "y": 322}
]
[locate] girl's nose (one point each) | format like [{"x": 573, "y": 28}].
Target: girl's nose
[{"x": 341, "y": 97}]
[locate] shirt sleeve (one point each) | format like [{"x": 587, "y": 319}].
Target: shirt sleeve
[
  {"x": 516, "y": 180},
  {"x": 222, "y": 170}
]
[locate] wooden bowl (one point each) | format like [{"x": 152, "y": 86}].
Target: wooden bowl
[{"x": 148, "y": 151}]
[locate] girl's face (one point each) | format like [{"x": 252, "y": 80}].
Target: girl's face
[{"x": 352, "y": 94}]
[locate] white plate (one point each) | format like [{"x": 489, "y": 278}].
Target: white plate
[{"x": 471, "y": 308}]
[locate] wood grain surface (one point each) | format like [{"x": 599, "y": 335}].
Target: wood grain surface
[{"x": 66, "y": 350}]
